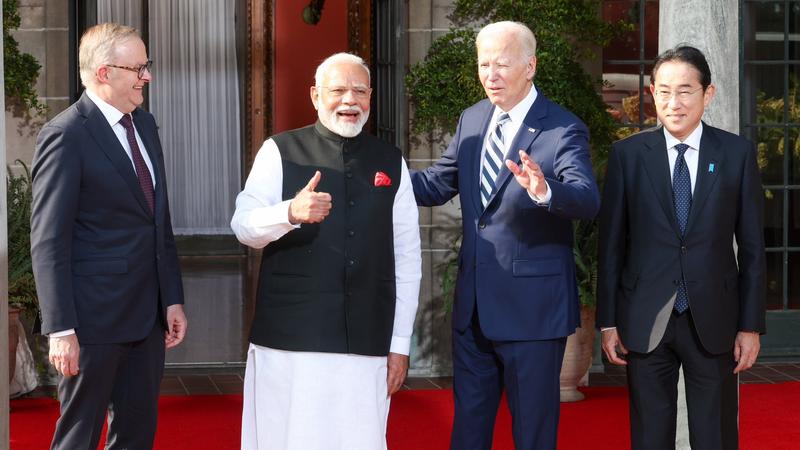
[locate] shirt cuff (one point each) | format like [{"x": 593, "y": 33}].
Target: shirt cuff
[
  {"x": 547, "y": 196},
  {"x": 400, "y": 345},
  {"x": 607, "y": 328},
  {"x": 62, "y": 333}
]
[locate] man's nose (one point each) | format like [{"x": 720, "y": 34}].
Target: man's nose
[{"x": 349, "y": 97}]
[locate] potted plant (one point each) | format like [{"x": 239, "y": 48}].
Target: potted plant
[
  {"x": 446, "y": 82},
  {"x": 21, "y": 285}
]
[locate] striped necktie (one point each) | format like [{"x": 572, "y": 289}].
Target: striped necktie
[
  {"x": 493, "y": 159},
  {"x": 682, "y": 198},
  {"x": 142, "y": 172}
]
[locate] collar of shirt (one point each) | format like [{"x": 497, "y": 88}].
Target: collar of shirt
[
  {"x": 516, "y": 114},
  {"x": 691, "y": 156},
  {"x": 111, "y": 113},
  {"x": 693, "y": 140}
]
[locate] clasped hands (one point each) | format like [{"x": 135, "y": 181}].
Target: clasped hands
[{"x": 309, "y": 206}]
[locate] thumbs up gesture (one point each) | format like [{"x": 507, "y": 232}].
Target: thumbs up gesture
[{"x": 310, "y": 206}]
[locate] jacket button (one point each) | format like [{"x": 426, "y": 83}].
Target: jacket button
[
  {"x": 349, "y": 174},
  {"x": 683, "y": 249},
  {"x": 482, "y": 225},
  {"x": 351, "y": 263},
  {"x": 351, "y": 233},
  {"x": 351, "y": 203}
]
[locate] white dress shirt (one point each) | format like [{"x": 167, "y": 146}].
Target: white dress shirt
[
  {"x": 510, "y": 129},
  {"x": 262, "y": 217}
]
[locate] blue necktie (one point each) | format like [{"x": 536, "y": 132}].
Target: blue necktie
[
  {"x": 493, "y": 160},
  {"x": 682, "y": 198}
]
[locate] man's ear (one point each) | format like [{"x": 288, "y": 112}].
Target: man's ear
[
  {"x": 314, "y": 97},
  {"x": 102, "y": 74}
]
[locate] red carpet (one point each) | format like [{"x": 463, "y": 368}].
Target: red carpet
[{"x": 421, "y": 420}]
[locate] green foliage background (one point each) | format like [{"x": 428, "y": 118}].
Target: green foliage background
[
  {"x": 446, "y": 82},
  {"x": 21, "y": 70}
]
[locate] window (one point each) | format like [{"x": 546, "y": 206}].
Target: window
[
  {"x": 770, "y": 117},
  {"x": 627, "y": 63}
]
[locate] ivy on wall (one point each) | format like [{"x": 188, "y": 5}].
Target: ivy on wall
[{"x": 21, "y": 70}]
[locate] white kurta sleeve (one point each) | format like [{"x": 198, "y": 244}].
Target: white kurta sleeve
[
  {"x": 261, "y": 215},
  {"x": 407, "y": 263}
]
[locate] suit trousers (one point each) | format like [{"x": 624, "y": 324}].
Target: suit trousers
[
  {"x": 712, "y": 392},
  {"x": 122, "y": 380},
  {"x": 528, "y": 370}
]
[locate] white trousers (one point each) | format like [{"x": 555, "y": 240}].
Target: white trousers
[{"x": 314, "y": 401}]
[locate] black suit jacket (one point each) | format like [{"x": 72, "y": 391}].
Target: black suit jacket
[
  {"x": 104, "y": 264},
  {"x": 642, "y": 256}
]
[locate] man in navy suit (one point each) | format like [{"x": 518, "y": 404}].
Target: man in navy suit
[
  {"x": 516, "y": 298},
  {"x": 672, "y": 290},
  {"x": 104, "y": 256}
]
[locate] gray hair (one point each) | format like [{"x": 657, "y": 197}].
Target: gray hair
[
  {"x": 524, "y": 34},
  {"x": 336, "y": 59},
  {"x": 98, "y": 47}
]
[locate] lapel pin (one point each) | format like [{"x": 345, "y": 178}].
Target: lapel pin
[
  {"x": 710, "y": 167},
  {"x": 532, "y": 130}
]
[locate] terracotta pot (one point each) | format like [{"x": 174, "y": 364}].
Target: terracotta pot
[
  {"x": 577, "y": 357},
  {"x": 13, "y": 340}
]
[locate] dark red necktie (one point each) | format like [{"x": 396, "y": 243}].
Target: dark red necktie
[{"x": 142, "y": 173}]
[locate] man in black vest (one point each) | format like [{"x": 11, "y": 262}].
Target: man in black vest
[{"x": 334, "y": 211}]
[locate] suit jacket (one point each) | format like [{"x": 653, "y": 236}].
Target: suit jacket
[
  {"x": 104, "y": 264},
  {"x": 516, "y": 260},
  {"x": 642, "y": 256}
]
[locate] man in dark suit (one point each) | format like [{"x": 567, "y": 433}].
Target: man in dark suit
[
  {"x": 673, "y": 291},
  {"x": 516, "y": 299},
  {"x": 104, "y": 255}
]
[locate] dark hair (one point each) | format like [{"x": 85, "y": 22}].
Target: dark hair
[{"x": 685, "y": 54}]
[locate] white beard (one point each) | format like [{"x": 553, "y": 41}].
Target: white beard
[{"x": 344, "y": 129}]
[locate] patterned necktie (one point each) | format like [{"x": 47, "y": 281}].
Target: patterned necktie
[
  {"x": 142, "y": 173},
  {"x": 682, "y": 198},
  {"x": 493, "y": 160}
]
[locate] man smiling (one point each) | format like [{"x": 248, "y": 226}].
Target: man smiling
[
  {"x": 333, "y": 208},
  {"x": 672, "y": 291}
]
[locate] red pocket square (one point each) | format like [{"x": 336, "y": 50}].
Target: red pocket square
[{"x": 381, "y": 179}]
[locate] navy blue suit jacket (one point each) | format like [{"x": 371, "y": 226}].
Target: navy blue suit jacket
[
  {"x": 516, "y": 262},
  {"x": 104, "y": 264}
]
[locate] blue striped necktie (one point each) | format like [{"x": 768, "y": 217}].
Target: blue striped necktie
[
  {"x": 493, "y": 159},
  {"x": 682, "y": 198}
]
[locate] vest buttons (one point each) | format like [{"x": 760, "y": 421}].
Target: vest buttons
[
  {"x": 351, "y": 233},
  {"x": 348, "y": 174},
  {"x": 351, "y": 263},
  {"x": 351, "y": 203}
]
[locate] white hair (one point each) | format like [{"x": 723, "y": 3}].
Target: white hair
[
  {"x": 524, "y": 34},
  {"x": 336, "y": 59},
  {"x": 98, "y": 46}
]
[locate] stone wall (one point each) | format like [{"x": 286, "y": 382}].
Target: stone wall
[{"x": 44, "y": 34}]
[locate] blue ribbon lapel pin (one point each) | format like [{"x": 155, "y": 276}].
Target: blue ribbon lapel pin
[{"x": 711, "y": 167}]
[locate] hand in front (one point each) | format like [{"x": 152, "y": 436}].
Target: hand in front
[
  {"x": 397, "y": 368},
  {"x": 612, "y": 343},
  {"x": 64, "y": 354},
  {"x": 529, "y": 175},
  {"x": 309, "y": 206},
  {"x": 745, "y": 350},
  {"x": 176, "y": 326}
]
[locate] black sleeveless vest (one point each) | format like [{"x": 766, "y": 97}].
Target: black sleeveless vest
[{"x": 330, "y": 287}]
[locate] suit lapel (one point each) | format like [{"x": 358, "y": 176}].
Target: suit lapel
[
  {"x": 708, "y": 165},
  {"x": 475, "y": 160},
  {"x": 107, "y": 141},
  {"x": 528, "y": 131},
  {"x": 656, "y": 164}
]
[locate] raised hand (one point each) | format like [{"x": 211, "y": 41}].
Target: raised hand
[
  {"x": 309, "y": 206},
  {"x": 529, "y": 175}
]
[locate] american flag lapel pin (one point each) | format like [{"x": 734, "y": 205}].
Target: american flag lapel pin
[{"x": 710, "y": 167}]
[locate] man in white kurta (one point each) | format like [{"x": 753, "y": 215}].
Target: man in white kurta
[{"x": 328, "y": 399}]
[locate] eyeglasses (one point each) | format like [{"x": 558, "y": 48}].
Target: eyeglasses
[
  {"x": 340, "y": 91},
  {"x": 666, "y": 96},
  {"x": 138, "y": 69}
]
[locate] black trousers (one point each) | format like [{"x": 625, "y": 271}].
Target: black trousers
[
  {"x": 712, "y": 392},
  {"x": 122, "y": 380}
]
